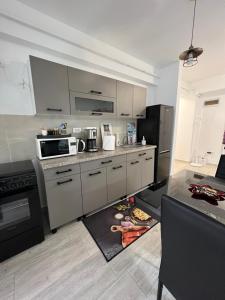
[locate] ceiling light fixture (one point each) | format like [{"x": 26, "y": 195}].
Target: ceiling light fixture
[{"x": 190, "y": 56}]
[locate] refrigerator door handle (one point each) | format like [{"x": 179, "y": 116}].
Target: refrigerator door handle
[{"x": 164, "y": 151}]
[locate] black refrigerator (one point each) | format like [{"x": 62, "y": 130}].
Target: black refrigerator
[{"x": 157, "y": 129}]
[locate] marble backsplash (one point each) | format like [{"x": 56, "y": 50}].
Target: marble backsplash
[{"x": 17, "y": 133}]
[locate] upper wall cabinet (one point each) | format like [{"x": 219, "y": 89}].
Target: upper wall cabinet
[
  {"x": 124, "y": 99},
  {"x": 50, "y": 83},
  {"x": 139, "y": 102},
  {"x": 89, "y": 83}
]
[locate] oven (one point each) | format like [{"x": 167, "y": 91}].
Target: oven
[{"x": 20, "y": 212}]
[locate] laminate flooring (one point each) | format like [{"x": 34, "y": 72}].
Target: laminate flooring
[{"x": 69, "y": 265}]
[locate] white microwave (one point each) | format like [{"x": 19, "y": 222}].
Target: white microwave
[{"x": 56, "y": 147}]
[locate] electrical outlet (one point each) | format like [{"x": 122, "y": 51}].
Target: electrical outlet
[{"x": 76, "y": 130}]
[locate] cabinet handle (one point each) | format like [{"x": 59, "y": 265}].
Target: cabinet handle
[
  {"x": 119, "y": 167},
  {"x": 125, "y": 115},
  {"x": 95, "y": 92},
  {"x": 60, "y": 172},
  {"x": 66, "y": 181},
  {"x": 134, "y": 162},
  {"x": 96, "y": 114},
  {"x": 96, "y": 173},
  {"x": 53, "y": 109},
  {"x": 142, "y": 154},
  {"x": 139, "y": 115},
  {"x": 106, "y": 162},
  {"x": 148, "y": 158}
]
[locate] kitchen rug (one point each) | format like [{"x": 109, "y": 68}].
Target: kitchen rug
[{"x": 116, "y": 227}]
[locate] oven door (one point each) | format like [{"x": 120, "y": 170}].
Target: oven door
[
  {"x": 54, "y": 148},
  {"x": 19, "y": 213}
]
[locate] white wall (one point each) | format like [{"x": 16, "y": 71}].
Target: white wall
[
  {"x": 209, "y": 122},
  {"x": 168, "y": 92},
  {"x": 185, "y": 123},
  {"x": 211, "y": 84}
]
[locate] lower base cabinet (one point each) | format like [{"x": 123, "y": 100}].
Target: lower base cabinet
[
  {"x": 64, "y": 200},
  {"x": 116, "y": 181},
  {"x": 94, "y": 189},
  {"x": 147, "y": 173},
  {"x": 133, "y": 176}
]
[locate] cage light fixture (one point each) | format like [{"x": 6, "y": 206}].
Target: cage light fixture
[{"x": 190, "y": 56}]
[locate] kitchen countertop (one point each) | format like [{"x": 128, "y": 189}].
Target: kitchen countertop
[{"x": 88, "y": 156}]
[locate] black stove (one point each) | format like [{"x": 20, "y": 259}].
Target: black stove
[{"x": 20, "y": 210}]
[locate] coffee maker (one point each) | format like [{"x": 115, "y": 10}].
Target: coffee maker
[{"x": 91, "y": 133}]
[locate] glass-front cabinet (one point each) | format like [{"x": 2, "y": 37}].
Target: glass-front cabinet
[{"x": 93, "y": 105}]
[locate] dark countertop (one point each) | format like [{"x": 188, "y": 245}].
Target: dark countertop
[{"x": 177, "y": 187}]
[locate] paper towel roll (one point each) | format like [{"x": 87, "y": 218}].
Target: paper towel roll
[{"x": 109, "y": 142}]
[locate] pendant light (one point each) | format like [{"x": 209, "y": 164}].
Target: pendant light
[{"x": 190, "y": 56}]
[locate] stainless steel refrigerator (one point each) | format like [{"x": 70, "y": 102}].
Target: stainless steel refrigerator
[{"x": 157, "y": 129}]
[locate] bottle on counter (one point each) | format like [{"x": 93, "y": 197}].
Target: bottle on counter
[{"x": 143, "y": 142}]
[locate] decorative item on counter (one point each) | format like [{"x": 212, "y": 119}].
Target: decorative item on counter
[
  {"x": 44, "y": 132},
  {"x": 63, "y": 128},
  {"x": 118, "y": 216},
  {"x": 143, "y": 142},
  {"x": 207, "y": 193},
  {"x": 131, "y": 133}
]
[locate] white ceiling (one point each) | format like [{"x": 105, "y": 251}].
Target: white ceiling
[{"x": 155, "y": 31}]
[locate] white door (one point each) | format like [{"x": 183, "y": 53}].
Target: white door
[{"x": 211, "y": 131}]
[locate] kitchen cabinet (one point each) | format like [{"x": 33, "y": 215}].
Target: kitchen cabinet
[
  {"x": 133, "y": 176},
  {"x": 89, "y": 83},
  {"x": 139, "y": 102},
  {"x": 140, "y": 170},
  {"x": 94, "y": 189},
  {"x": 124, "y": 99},
  {"x": 93, "y": 105},
  {"x": 64, "y": 200},
  {"x": 147, "y": 169},
  {"x": 116, "y": 181},
  {"x": 50, "y": 84}
]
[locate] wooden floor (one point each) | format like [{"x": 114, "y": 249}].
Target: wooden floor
[
  {"x": 69, "y": 265},
  {"x": 180, "y": 165}
]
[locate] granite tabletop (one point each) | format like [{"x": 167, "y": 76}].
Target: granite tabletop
[
  {"x": 177, "y": 187},
  {"x": 88, "y": 156}
]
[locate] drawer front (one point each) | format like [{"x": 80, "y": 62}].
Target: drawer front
[
  {"x": 134, "y": 176},
  {"x": 59, "y": 172},
  {"x": 99, "y": 163},
  {"x": 140, "y": 154},
  {"x": 116, "y": 181},
  {"x": 64, "y": 200},
  {"x": 94, "y": 189}
]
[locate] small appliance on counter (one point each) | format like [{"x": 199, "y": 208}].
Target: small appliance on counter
[
  {"x": 91, "y": 145},
  {"x": 20, "y": 210},
  {"x": 109, "y": 142},
  {"x": 80, "y": 145},
  {"x": 55, "y": 146}
]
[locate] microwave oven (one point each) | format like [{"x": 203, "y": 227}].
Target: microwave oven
[{"x": 56, "y": 147}]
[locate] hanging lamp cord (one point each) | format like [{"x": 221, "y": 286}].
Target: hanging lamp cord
[{"x": 193, "y": 24}]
